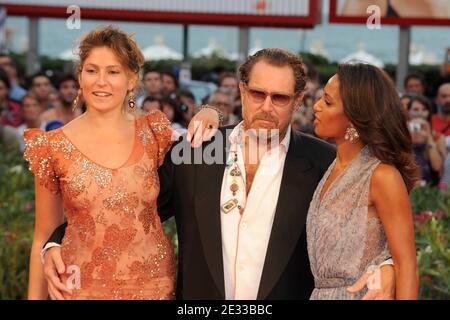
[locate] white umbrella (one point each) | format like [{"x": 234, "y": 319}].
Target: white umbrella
[
  {"x": 364, "y": 57},
  {"x": 213, "y": 48},
  {"x": 159, "y": 51},
  {"x": 318, "y": 48},
  {"x": 69, "y": 54},
  {"x": 419, "y": 55},
  {"x": 256, "y": 48}
]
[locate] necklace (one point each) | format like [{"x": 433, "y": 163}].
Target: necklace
[{"x": 235, "y": 173}]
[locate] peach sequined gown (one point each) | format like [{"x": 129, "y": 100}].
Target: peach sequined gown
[{"x": 114, "y": 245}]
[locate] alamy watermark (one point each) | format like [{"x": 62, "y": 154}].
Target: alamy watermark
[
  {"x": 253, "y": 144},
  {"x": 374, "y": 19},
  {"x": 74, "y": 280},
  {"x": 73, "y": 22}
]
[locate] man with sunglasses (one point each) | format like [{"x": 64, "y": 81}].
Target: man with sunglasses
[{"x": 241, "y": 220}]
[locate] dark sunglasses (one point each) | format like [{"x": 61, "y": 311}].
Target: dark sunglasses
[{"x": 278, "y": 99}]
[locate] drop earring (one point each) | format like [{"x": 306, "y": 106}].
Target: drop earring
[
  {"x": 351, "y": 134},
  {"x": 131, "y": 100}
]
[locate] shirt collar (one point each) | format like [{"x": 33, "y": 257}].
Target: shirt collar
[{"x": 234, "y": 137}]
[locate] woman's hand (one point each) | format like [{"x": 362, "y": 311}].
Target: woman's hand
[{"x": 203, "y": 126}]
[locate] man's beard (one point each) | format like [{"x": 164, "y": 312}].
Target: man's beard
[
  {"x": 445, "y": 108},
  {"x": 264, "y": 131}
]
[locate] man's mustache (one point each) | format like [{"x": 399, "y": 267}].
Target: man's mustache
[{"x": 265, "y": 116}]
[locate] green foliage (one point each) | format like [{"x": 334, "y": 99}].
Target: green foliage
[
  {"x": 16, "y": 223},
  {"x": 432, "y": 216}
]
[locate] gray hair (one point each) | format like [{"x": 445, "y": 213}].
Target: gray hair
[{"x": 223, "y": 92}]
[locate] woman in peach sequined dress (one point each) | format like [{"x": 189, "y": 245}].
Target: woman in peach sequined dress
[{"x": 115, "y": 246}]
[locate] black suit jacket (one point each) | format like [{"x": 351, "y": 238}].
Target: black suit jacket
[{"x": 191, "y": 193}]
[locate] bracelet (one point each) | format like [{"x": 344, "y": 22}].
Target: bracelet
[{"x": 219, "y": 113}]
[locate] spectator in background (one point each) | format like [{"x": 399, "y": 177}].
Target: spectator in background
[
  {"x": 169, "y": 83},
  {"x": 426, "y": 151},
  {"x": 10, "y": 113},
  {"x": 312, "y": 77},
  {"x": 8, "y": 64},
  {"x": 41, "y": 88},
  {"x": 32, "y": 111},
  {"x": 415, "y": 84},
  {"x": 171, "y": 109},
  {"x": 301, "y": 123},
  {"x": 62, "y": 104},
  {"x": 53, "y": 99},
  {"x": 420, "y": 107},
  {"x": 228, "y": 82},
  {"x": 188, "y": 107},
  {"x": 225, "y": 102},
  {"x": 441, "y": 124},
  {"x": 445, "y": 181},
  {"x": 151, "y": 85},
  {"x": 306, "y": 109},
  {"x": 8, "y": 136},
  {"x": 405, "y": 99},
  {"x": 237, "y": 107},
  {"x": 151, "y": 103},
  {"x": 441, "y": 120}
]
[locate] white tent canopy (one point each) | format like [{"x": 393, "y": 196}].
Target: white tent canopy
[
  {"x": 420, "y": 55},
  {"x": 256, "y": 48},
  {"x": 69, "y": 54},
  {"x": 317, "y": 47},
  {"x": 364, "y": 57},
  {"x": 159, "y": 51},
  {"x": 213, "y": 48}
]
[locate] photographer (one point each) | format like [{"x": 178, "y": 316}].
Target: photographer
[
  {"x": 427, "y": 153},
  {"x": 171, "y": 109},
  {"x": 420, "y": 107}
]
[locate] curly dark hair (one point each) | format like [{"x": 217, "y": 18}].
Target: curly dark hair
[
  {"x": 277, "y": 57},
  {"x": 373, "y": 106}
]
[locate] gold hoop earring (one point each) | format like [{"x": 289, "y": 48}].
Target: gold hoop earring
[
  {"x": 131, "y": 101},
  {"x": 77, "y": 100}
]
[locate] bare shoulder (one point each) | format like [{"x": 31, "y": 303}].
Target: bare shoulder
[
  {"x": 387, "y": 181},
  {"x": 386, "y": 173}
]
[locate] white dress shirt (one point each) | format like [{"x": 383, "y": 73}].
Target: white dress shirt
[{"x": 245, "y": 236}]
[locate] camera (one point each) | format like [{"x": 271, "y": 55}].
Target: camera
[
  {"x": 414, "y": 127},
  {"x": 184, "y": 107}
]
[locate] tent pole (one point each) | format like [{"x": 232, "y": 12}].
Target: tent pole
[{"x": 403, "y": 57}]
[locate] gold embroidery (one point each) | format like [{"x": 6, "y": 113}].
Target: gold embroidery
[{"x": 114, "y": 233}]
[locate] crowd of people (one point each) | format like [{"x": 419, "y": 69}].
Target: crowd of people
[
  {"x": 325, "y": 214},
  {"x": 42, "y": 103},
  {"x": 429, "y": 123}
]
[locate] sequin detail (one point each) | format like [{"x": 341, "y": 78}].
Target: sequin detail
[{"x": 114, "y": 233}]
